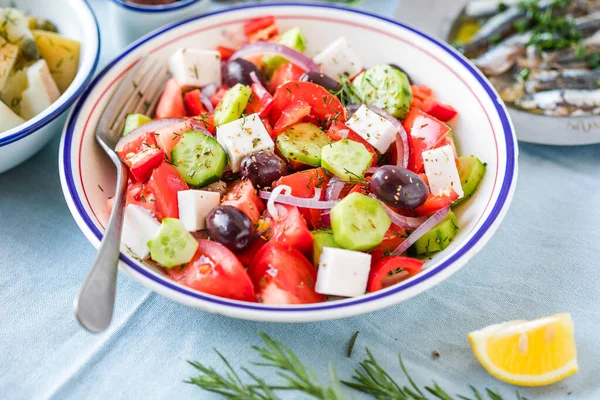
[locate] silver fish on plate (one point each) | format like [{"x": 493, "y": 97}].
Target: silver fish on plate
[
  {"x": 487, "y": 8},
  {"x": 562, "y": 102},
  {"x": 575, "y": 79},
  {"x": 502, "y": 57}
]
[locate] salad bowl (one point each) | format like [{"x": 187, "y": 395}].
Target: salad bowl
[
  {"x": 483, "y": 129},
  {"x": 74, "y": 19}
]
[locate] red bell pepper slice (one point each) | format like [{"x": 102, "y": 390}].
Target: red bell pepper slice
[
  {"x": 291, "y": 115},
  {"x": 442, "y": 111},
  {"x": 258, "y": 24},
  {"x": 143, "y": 163},
  {"x": 226, "y": 52},
  {"x": 193, "y": 104},
  {"x": 425, "y": 133}
]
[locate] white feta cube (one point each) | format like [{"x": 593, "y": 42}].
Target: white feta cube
[
  {"x": 343, "y": 272},
  {"x": 372, "y": 127},
  {"x": 339, "y": 60},
  {"x": 41, "y": 90},
  {"x": 139, "y": 226},
  {"x": 194, "y": 68},
  {"x": 242, "y": 137},
  {"x": 194, "y": 207},
  {"x": 441, "y": 171}
]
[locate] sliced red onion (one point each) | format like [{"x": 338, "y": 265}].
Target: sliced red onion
[
  {"x": 205, "y": 100},
  {"x": 151, "y": 126},
  {"x": 301, "y": 60},
  {"x": 317, "y": 195},
  {"x": 297, "y": 201},
  {"x": 344, "y": 133},
  {"x": 402, "y": 148},
  {"x": 334, "y": 188},
  {"x": 401, "y": 220},
  {"x": 326, "y": 218},
  {"x": 199, "y": 127},
  {"x": 274, "y": 196},
  {"x": 209, "y": 89},
  {"x": 421, "y": 230}
]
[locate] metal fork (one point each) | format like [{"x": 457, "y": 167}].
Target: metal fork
[{"x": 138, "y": 92}]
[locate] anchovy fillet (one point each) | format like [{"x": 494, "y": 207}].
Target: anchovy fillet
[
  {"x": 502, "y": 57},
  {"x": 487, "y": 8},
  {"x": 566, "y": 79},
  {"x": 583, "y": 99}
]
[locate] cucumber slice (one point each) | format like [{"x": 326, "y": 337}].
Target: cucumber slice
[
  {"x": 233, "y": 104},
  {"x": 359, "y": 222},
  {"x": 303, "y": 143},
  {"x": 385, "y": 87},
  {"x": 346, "y": 159},
  {"x": 438, "y": 237},
  {"x": 470, "y": 171},
  {"x": 199, "y": 158},
  {"x": 173, "y": 244},
  {"x": 292, "y": 38},
  {"x": 322, "y": 238},
  {"x": 134, "y": 121}
]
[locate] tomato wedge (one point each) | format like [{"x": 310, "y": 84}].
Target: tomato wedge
[
  {"x": 243, "y": 197},
  {"x": 325, "y": 107},
  {"x": 169, "y": 136},
  {"x": 193, "y": 105},
  {"x": 139, "y": 194},
  {"x": 282, "y": 275},
  {"x": 388, "y": 271},
  {"x": 260, "y": 102},
  {"x": 436, "y": 202},
  {"x": 226, "y": 52},
  {"x": 304, "y": 183},
  {"x": 290, "y": 229},
  {"x": 392, "y": 239},
  {"x": 285, "y": 73},
  {"x": 164, "y": 183},
  {"x": 215, "y": 270},
  {"x": 216, "y": 98},
  {"x": 291, "y": 115},
  {"x": 170, "y": 104},
  {"x": 425, "y": 133}
]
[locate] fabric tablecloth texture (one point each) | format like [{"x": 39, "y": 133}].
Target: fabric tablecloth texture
[{"x": 543, "y": 260}]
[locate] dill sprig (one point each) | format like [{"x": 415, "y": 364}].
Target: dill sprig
[{"x": 369, "y": 378}]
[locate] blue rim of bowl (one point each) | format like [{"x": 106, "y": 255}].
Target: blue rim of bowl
[
  {"x": 4, "y": 141},
  {"x": 498, "y": 206},
  {"x": 155, "y": 9}
]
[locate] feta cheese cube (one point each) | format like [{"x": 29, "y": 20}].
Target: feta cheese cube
[
  {"x": 339, "y": 60},
  {"x": 41, "y": 90},
  {"x": 343, "y": 272},
  {"x": 441, "y": 171},
  {"x": 194, "y": 68},
  {"x": 375, "y": 129},
  {"x": 194, "y": 207},
  {"x": 242, "y": 137},
  {"x": 139, "y": 226}
]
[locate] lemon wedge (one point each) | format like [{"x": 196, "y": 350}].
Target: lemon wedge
[{"x": 528, "y": 353}]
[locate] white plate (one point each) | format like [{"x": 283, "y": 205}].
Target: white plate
[{"x": 483, "y": 129}]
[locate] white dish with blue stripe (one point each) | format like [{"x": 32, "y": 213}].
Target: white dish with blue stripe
[
  {"x": 483, "y": 129},
  {"x": 75, "y": 19}
]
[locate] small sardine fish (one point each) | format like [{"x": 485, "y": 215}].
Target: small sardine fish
[
  {"x": 589, "y": 24},
  {"x": 550, "y": 100},
  {"x": 577, "y": 79},
  {"x": 487, "y": 8},
  {"x": 501, "y": 58},
  {"x": 568, "y": 58}
]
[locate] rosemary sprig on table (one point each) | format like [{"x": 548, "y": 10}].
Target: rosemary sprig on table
[{"x": 370, "y": 379}]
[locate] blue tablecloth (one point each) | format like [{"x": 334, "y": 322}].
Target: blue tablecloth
[{"x": 543, "y": 260}]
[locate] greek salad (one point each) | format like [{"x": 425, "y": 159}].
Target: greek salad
[{"x": 269, "y": 176}]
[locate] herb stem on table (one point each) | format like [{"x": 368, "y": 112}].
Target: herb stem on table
[{"x": 294, "y": 376}]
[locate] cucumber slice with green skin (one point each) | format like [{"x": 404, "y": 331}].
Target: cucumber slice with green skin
[
  {"x": 303, "y": 143},
  {"x": 233, "y": 104},
  {"x": 322, "y": 238},
  {"x": 199, "y": 158},
  {"x": 134, "y": 121},
  {"x": 471, "y": 171},
  {"x": 385, "y": 87},
  {"x": 438, "y": 237},
  {"x": 172, "y": 245},
  {"x": 292, "y": 38},
  {"x": 359, "y": 222},
  {"x": 346, "y": 159}
]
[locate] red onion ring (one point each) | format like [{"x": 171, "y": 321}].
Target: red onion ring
[
  {"x": 402, "y": 148},
  {"x": 199, "y": 126},
  {"x": 334, "y": 188},
  {"x": 301, "y": 60},
  {"x": 421, "y": 230},
  {"x": 299, "y": 202},
  {"x": 151, "y": 126}
]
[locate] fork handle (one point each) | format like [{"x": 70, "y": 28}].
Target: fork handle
[{"x": 94, "y": 304}]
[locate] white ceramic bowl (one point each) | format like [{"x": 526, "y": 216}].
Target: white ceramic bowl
[
  {"x": 75, "y": 19},
  {"x": 483, "y": 129}
]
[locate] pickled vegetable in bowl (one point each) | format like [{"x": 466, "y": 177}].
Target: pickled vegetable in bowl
[
  {"x": 270, "y": 176},
  {"x": 543, "y": 56},
  {"x": 37, "y": 65}
]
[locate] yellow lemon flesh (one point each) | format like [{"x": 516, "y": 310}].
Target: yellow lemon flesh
[{"x": 528, "y": 353}]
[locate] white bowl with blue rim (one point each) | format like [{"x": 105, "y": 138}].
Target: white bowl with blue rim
[
  {"x": 483, "y": 129},
  {"x": 130, "y": 21},
  {"x": 74, "y": 19}
]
